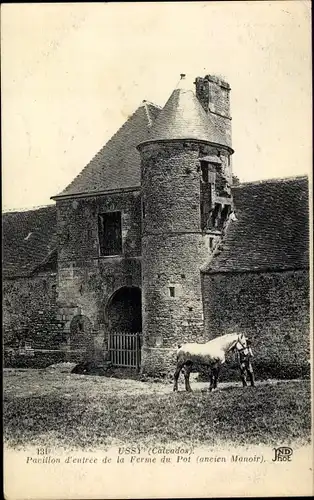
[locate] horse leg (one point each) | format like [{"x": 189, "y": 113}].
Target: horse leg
[
  {"x": 251, "y": 376},
  {"x": 212, "y": 379},
  {"x": 187, "y": 371},
  {"x": 176, "y": 376},
  {"x": 217, "y": 369}
]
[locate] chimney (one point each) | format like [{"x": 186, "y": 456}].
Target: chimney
[{"x": 213, "y": 94}]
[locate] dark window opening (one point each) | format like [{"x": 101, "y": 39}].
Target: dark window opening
[
  {"x": 204, "y": 169},
  {"x": 225, "y": 213},
  {"x": 206, "y": 199},
  {"x": 216, "y": 215},
  {"x": 211, "y": 243},
  {"x": 171, "y": 291},
  {"x": 143, "y": 210},
  {"x": 110, "y": 233}
]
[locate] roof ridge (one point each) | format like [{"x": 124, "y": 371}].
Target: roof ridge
[
  {"x": 27, "y": 209},
  {"x": 99, "y": 152},
  {"x": 272, "y": 180},
  {"x": 145, "y": 101}
]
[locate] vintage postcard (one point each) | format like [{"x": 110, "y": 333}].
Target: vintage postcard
[{"x": 157, "y": 241}]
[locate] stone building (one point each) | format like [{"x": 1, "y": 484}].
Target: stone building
[{"x": 153, "y": 245}]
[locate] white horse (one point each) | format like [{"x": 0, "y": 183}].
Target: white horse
[{"x": 211, "y": 354}]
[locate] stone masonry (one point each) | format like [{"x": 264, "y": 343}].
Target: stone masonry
[{"x": 192, "y": 255}]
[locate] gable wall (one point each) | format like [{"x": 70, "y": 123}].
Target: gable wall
[{"x": 86, "y": 280}]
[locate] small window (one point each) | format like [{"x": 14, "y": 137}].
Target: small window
[
  {"x": 225, "y": 213},
  {"x": 171, "y": 291},
  {"x": 110, "y": 233},
  {"x": 143, "y": 210},
  {"x": 28, "y": 236},
  {"x": 211, "y": 242}
]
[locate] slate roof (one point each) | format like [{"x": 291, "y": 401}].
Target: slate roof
[
  {"x": 117, "y": 165},
  {"x": 28, "y": 239},
  {"x": 272, "y": 231},
  {"x": 183, "y": 117}
]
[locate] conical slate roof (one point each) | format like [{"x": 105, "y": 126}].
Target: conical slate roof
[{"x": 183, "y": 117}]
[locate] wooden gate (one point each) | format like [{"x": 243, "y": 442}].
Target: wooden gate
[{"x": 125, "y": 349}]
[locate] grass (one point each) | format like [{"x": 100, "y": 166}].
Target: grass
[{"x": 89, "y": 412}]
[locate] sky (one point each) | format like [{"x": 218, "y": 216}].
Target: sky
[{"x": 73, "y": 73}]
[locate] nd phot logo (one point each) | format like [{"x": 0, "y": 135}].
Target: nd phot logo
[{"x": 282, "y": 454}]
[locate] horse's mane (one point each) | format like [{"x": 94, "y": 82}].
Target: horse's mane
[{"x": 226, "y": 335}]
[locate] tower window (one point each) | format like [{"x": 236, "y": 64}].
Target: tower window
[
  {"x": 110, "y": 233},
  {"x": 211, "y": 242},
  {"x": 216, "y": 214},
  {"x": 171, "y": 291}
]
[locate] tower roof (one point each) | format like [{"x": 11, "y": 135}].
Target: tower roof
[{"x": 183, "y": 117}]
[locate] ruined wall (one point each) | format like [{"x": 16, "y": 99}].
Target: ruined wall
[
  {"x": 271, "y": 308},
  {"x": 29, "y": 310},
  {"x": 86, "y": 280}
]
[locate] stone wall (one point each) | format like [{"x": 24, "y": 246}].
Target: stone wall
[
  {"x": 173, "y": 248},
  {"x": 30, "y": 312},
  {"x": 86, "y": 280},
  {"x": 271, "y": 308}
]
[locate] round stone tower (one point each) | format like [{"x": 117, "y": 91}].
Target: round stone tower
[{"x": 181, "y": 161}]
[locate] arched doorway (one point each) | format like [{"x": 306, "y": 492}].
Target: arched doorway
[{"x": 124, "y": 314}]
